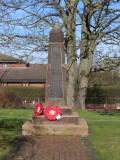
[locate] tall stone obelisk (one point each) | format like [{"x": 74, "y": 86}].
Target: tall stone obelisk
[
  {"x": 70, "y": 123},
  {"x": 56, "y": 78}
]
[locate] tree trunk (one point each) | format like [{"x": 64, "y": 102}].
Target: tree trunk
[
  {"x": 70, "y": 25},
  {"x": 86, "y": 54},
  {"x": 85, "y": 68},
  {"x": 71, "y": 67}
]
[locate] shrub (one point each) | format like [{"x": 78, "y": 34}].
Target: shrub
[
  {"x": 28, "y": 93},
  {"x": 8, "y": 99},
  {"x": 18, "y": 95}
]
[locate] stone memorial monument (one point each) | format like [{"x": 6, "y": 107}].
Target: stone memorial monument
[
  {"x": 70, "y": 123},
  {"x": 56, "y": 78}
]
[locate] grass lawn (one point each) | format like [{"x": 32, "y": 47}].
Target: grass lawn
[
  {"x": 11, "y": 121},
  {"x": 104, "y": 132}
]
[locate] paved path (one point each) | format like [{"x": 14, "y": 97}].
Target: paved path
[{"x": 50, "y": 148}]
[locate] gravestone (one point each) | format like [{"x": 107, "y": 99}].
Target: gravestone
[
  {"x": 55, "y": 78},
  {"x": 70, "y": 123}
]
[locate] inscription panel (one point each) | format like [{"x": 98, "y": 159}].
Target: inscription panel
[{"x": 56, "y": 74}]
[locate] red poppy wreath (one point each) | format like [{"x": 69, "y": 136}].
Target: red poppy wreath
[
  {"x": 52, "y": 113},
  {"x": 38, "y": 109}
]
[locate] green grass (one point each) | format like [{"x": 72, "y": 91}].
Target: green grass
[
  {"x": 11, "y": 121},
  {"x": 104, "y": 132}
]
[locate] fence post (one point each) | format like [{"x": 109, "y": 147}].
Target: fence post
[
  {"x": 38, "y": 100},
  {"x": 106, "y": 100}
]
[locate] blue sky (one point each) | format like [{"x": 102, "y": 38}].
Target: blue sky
[{"x": 30, "y": 30}]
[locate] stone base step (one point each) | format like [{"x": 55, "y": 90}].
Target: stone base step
[
  {"x": 66, "y": 110},
  {"x": 80, "y": 129},
  {"x": 65, "y": 119},
  {"x": 52, "y": 101}
]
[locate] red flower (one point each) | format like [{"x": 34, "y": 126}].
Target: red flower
[
  {"x": 52, "y": 113},
  {"x": 38, "y": 110}
]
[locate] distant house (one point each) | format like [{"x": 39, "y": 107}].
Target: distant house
[
  {"x": 6, "y": 60},
  {"x": 16, "y": 72}
]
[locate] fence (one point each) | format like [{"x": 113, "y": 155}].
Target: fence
[
  {"x": 96, "y": 100},
  {"x": 89, "y": 100},
  {"x": 102, "y": 100},
  {"x": 103, "y": 103},
  {"x": 30, "y": 102}
]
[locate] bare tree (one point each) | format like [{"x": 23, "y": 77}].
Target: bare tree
[
  {"x": 100, "y": 19},
  {"x": 106, "y": 60},
  {"x": 24, "y": 35},
  {"x": 41, "y": 13},
  {"x": 96, "y": 21}
]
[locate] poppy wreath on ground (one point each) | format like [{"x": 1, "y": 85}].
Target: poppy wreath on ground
[
  {"x": 38, "y": 110},
  {"x": 52, "y": 113}
]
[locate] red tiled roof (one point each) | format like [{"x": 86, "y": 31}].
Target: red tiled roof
[{"x": 34, "y": 73}]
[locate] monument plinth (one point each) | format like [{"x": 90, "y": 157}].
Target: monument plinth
[
  {"x": 70, "y": 123},
  {"x": 55, "y": 78}
]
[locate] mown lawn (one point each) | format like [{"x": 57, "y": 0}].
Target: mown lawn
[
  {"x": 11, "y": 121},
  {"x": 104, "y": 131}
]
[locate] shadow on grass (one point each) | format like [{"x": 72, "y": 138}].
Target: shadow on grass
[
  {"x": 109, "y": 113},
  {"x": 11, "y": 123},
  {"x": 89, "y": 148},
  {"x": 16, "y": 145},
  {"x": 10, "y": 130}
]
